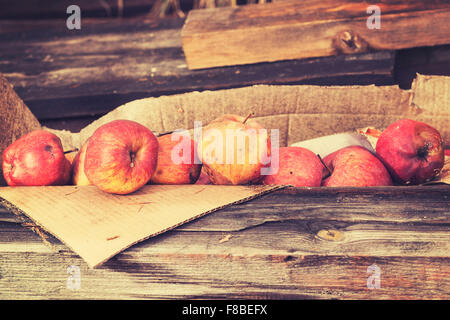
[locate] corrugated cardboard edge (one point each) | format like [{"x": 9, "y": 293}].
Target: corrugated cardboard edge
[
  {"x": 259, "y": 189},
  {"x": 267, "y": 189},
  {"x": 26, "y": 221}
]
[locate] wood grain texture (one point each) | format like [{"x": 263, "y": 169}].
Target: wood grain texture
[
  {"x": 295, "y": 30},
  {"x": 62, "y": 73},
  {"x": 292, "y": 244},
  {"x": 428, "y": 60},
  {"x": 49, "y": 9}
]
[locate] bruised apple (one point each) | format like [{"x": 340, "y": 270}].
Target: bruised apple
[
  {"x": 298, "y": 166},
  {"x": 36, "y": 159},
  {"x": 412, "y": 151},
  {"x": 121, "y": 156},
  {"x": 234, "y": 150},
  {"x": 177, "y": 160},
  {"x": 355, "y": 166}
]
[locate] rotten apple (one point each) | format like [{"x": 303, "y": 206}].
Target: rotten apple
[
  {"x": 234, "y": 150},
  {"x": 412, "y": 151}
]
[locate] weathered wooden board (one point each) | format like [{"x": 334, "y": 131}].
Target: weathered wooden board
[
  {"x": 424, "y": 60},
  {"x": 293, "y": 244},
  {"x": 313, "y": 28},
  {"x": 50, "y": 9},
  {"x": 62, "y": 73}
]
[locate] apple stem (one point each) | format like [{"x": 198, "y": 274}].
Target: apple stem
[
  {"x": 132, "y": 157},
  {"x": 164, "y": 133},
  {"x": 70, "y": 151},
  {"x": 325, "y": 166},
  {"x": 249, "y": 115}
]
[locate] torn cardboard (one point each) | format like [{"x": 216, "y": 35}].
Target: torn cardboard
[
  {"x": 97, "y": 225},
  {"x": 300, "y": 112}
]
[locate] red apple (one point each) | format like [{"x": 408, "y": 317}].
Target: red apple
[
  {"x": 355, "y": 166},
  {"x": 121, "y": 156},
  {"x": 447, "y": 152},
  {"x": 177, "y": 160},
  {"x": 36, "y": 159},
  {"x": 234, "y": 150},
  {"x": 412, "y": 151},
  {"x": 298, "y": 166},
  {"x": 79, "y": 178}
]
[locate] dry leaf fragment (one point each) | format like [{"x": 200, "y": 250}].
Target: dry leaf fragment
[
  {"x": 69, "y": 193},
  {"x": 140, "y": 203},
  {"x": 371, "y": 134},
  {"x": 226, "y": 238},
  {"x": 444, "y": 175}
]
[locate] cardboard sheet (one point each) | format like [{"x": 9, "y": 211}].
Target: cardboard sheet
[{"x": 97, "y": 225}]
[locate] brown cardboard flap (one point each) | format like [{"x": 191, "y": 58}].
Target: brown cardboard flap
[
  {"x": 300, "y": 112},
  {"x": 97, "y": 225}
]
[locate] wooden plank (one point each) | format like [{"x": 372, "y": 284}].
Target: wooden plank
[
  {"x": 49, "y": 9},
  {"x": 303, "y": 29},
  {"x": 295, "y": 248},
  {"x": 192, "y": 276},
  {"x": 61, "y": 73},
  {"x": 424, "y": 60},
  {"x": 428, "y": 204},
  {"x": 408, "y": 62}
]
